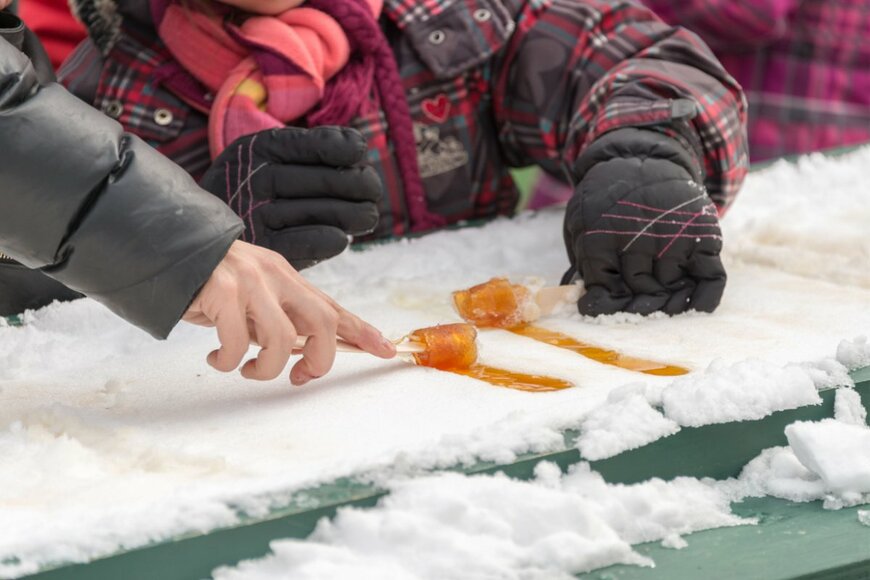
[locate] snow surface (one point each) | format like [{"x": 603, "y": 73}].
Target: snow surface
[
  {"x": 750, "y": 389},
  {"x": 624, "y": 422},
  {"x": 854, "y": 354},
  {"x": 451, "y": 526},
  {"x": 837, "y": 452},
  {"x": 825, "y": 460},
  {"x": 110, "y": 439},
  {"x": 848, "y": 407}
]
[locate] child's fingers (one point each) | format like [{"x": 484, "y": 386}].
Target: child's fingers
[
  {"x": 355, "y": 330},
  {"x": 362, "y": 334},
  {"x": 316, "y": 318},
  {"x": 318, "y": 354},
  {"x": 277, "y": 337},
  {"x": 232, "y": 331}
]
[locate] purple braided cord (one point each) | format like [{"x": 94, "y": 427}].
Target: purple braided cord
[{"x": 372, "y": 57}]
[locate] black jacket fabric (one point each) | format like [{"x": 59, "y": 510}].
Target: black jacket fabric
[{"x": 95, "y": 208}]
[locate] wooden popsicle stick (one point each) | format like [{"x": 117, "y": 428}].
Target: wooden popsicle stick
[
  {"x": 550, "y": 298},
  {"x": 343, "y": 346}
]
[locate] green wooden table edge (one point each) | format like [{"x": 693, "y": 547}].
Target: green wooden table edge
[
  {"x": 686, "y": 453},
  {"x": 791, "y": 541},
  {"x": 797, "y": 541}
]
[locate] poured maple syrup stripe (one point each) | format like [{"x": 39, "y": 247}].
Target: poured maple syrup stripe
[
  {"x": 602, "y": 355},
  {"x": 513, "y": 380},
  {"x": 453, "y": 348}
]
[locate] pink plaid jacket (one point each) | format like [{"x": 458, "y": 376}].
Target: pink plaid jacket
[{"x": 804, "y": 64}]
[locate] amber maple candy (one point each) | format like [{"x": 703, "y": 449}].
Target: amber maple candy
[
  {"x": 447, "y": 347},
  {"x": 495, "y": 304}
]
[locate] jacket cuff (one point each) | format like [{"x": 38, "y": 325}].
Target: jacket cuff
[
  {"x": 644, "y": 143},
  {"x": 157, "y": 304}
]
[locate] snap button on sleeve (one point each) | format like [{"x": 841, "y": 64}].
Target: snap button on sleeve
[{"x": 437, "y": 37}]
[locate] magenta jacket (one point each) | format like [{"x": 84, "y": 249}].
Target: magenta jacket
[{"x": 804, "y": 65}]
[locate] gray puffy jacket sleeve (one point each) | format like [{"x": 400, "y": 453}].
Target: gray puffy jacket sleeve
[{"x": 98, "y": 209}]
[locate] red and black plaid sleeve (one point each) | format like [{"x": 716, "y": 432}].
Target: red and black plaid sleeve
[{"x": 576, "y": 69}]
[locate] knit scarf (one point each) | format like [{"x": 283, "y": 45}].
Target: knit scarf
[{"x": 314, "y": 63}]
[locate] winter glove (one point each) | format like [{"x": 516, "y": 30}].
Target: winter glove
[
  {"x": 640, "y": 229},
  {"x": 301, "y": 192}
]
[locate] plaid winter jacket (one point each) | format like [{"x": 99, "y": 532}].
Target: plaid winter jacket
[
  {"x": 804, "y": 64},
  {"x": 491, "y": 84}
]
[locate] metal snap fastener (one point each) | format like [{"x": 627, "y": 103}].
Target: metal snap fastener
[
  {"x": 163, "y": 117},
  {"x": 482, "y": 15},
  {"x": 209, "y": 97},
  {"x": 114, "y": 109},
  {"x": 437, "y": 37}
]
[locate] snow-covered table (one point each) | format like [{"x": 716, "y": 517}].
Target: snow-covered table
[
  {"x": 110, "y": 440},
  {"x": 792, "y": 539}
]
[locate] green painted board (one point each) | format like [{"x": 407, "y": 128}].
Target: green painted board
[
  {"x": 792, "y": 540},
  {"x": 686, "y": 453}
]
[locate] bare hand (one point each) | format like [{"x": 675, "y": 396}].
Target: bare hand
[
  {"x": 4, "y": 3},
  {"x": 255, "y": 296}
]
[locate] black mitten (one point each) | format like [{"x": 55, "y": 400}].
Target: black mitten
[
  {"x": 301, "y": 192},
  {"x": 640, "y": 230}
]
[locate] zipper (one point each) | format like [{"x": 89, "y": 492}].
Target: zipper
[{"x": 4, "y": 259}]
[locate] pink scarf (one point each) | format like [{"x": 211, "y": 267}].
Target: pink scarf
[{"x": 317, "y": 61}]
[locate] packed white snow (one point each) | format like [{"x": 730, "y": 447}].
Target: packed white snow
[
  {"x": 451, "y": 526},
  {"x": 848, "y": 407},
  {"x": 837, "y": 452},
  {"x": 825, "y": 460},
  {"x": 455, "y": 526},
  {"x": 636, "y": 414},
  {"x": 750, "y": 389},
  {"x": 624, "y": 422},
  {"x": 777, "y": 472},
  {"x": 109, "y": 438},
  {"x": 810, "y": 220},
  {"x": 854, "y": 354}
]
